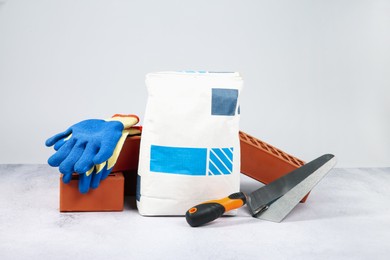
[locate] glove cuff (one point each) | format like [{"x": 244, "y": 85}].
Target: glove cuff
[
  {"x": 134, "y": 130},
  {"x": 127, "y": 120}
]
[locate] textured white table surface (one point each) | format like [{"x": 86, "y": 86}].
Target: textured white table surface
[{"x": 347, "y": 216}]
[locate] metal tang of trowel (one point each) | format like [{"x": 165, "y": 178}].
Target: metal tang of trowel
[{"x": 272, "y": 202}]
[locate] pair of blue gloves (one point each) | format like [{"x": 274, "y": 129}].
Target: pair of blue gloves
[{"x": 91, "y": 148}]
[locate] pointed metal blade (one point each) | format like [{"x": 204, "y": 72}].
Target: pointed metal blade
[
  {"x": 278, "y": 210},
  {"x": 267, "y": 198}
]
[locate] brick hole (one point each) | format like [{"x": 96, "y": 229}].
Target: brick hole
[
  {"x": 272, "y": 150},
  {"x": 300, "y": 162},
  {"x": 243, "y": 136},
  {"x": 253, "y": 141},
  {"x": 284, "y": 156},
  {"x": 281, "y": 153},
  {"x": 263, "y": 145},
  {"x": 293, "y": 160}
]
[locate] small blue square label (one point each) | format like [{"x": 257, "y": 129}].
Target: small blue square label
[
  {"x": 220, "y": 161},
  {"x": 224, "y": 101}
]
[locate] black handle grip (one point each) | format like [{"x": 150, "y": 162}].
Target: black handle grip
[
  {"x": 204, "y": 213},
  {"x": 211, "y": 210}
]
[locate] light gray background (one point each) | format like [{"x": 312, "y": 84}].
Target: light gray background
[{"x": 317, "y": 73}]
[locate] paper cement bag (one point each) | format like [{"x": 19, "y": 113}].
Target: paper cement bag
[{"x": 190, "y": 144}]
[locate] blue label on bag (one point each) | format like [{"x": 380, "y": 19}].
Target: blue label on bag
[
  {"x": 178, "y": 160},
  {"x": 220, "y": 161},
  {"x": 224, "y": 101},
  {"x": 191, "y": 161}
]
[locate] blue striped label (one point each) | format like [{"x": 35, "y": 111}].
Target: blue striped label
[
  {"x": 191, "y": 161},
  {"x": 220, "y": 161}
]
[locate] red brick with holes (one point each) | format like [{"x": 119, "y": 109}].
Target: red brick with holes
[{"x": 264, "y": 162}]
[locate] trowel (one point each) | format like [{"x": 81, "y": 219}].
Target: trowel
[{"x": 272, "y": 202}]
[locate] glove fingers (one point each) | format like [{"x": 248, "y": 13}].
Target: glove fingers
[
  {"x": 57, "y": 158},
  {"x": 86, "y": 160},
  {"x": 103, "y": 155},
  {"x": 67, "y": 165},
  {"x": 66, "y": 178},
  {"x": 52, "y": 140},
  {"x": 105, "y": 172},
  {"x": 85, "y": 181},
  {"x": 97, "y": 177},
  {"x": 59, "y": 143}
]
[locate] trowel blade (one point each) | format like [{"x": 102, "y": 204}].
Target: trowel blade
[{"x": 280, "y": 208}]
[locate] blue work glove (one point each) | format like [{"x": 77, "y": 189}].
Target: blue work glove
[{"x": 90, "y": 148}]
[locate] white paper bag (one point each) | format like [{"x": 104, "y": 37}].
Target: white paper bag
[{"x": 190, "y": 144}]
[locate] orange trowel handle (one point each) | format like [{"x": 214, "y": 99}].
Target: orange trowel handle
[{"x": 213, "y": 209}]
